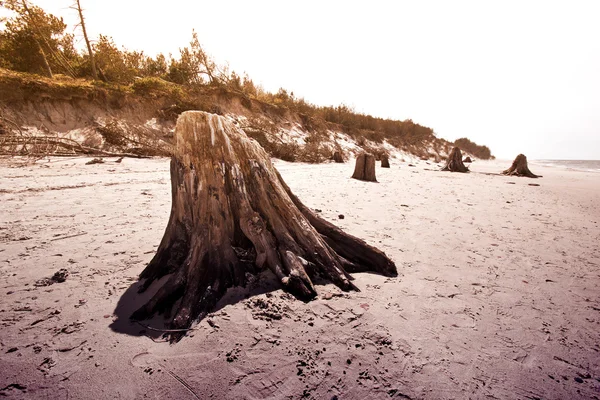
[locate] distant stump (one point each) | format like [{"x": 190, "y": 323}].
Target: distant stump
[
  {"x": 364, "y": 169},
  {"x": 519, "y": 168},
  {"x": 455, "y": 162},
  {"x": 385, "y": 161}
]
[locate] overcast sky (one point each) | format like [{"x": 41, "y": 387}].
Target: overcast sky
[{"x": 518, "y": 76}]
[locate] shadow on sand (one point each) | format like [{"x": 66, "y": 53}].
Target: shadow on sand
[{"x": 154, "y": 328}]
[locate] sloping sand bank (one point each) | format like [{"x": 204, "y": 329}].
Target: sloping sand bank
[{"x": 498, "y": 294}]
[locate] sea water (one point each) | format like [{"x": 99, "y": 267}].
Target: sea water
[{"x": 577, "y": 165}]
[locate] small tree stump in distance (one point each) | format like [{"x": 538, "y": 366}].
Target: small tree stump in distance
[
  {"x": 233, "y": 215},
  {"x": 337, "y": 157},
  {"x": 385, "y": 161},
  {"x": 467, "y": 160},
  {"x": 364, "y": 169},
  {"x": 519, "y": 168},
  {"x": 455, "y": 162}
]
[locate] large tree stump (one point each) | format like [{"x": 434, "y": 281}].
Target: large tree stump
[
  {"x": 233, "y": 215},
  {"x": 385, "y": 161},
  {"x": 364, "y": 168},
  {"x": 519, "y": 168},
  {"x": 455, "y": 162}
]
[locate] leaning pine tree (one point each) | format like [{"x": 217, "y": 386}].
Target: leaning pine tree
[
  {"x": 455, "y": 162},
  {"x": 233, "y": 215},
  {"x": 519, "y": 168}
]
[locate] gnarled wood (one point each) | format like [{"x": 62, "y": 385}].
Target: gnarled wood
[
  {"x": 385, "y": 161},
  {"x": 519, "y": 168},
  {"x": 233, "y": 215},
  {"x": 455, "y": 162},
  {"x": 364, "y": 168}
]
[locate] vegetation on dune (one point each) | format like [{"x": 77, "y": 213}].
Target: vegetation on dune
[
  {"x": 482, "y": 152},
  {"x": 35, "y": 42}
]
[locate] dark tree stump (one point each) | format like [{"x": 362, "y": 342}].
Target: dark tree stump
[
  {"x": 467, "y": 160},
  {"x": 385, "y": 161},
  {"x": 455, "y": 162},
  {"x": 337, "y": 157},
  {"x": 519, "y": 168},
  {"x": 364, "y": 169},
  {"x": 233, "y": 215}
]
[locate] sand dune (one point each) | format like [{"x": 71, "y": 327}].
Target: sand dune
[{"x": 497, "y": 295}]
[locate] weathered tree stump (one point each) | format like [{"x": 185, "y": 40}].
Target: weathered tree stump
[
  {"x": 385, "y": 161},
  {"x": 233, "y": 215},
  {"x": 337, "y": 157},
  {"x": 364, "y": 168},
  {"x": 455, "y": 162},
  {"x": 519, "y": 168},
  {"x": 467, "y": 160}
]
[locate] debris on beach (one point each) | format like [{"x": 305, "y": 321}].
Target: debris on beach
[
  {"x": 95, "y": 161},
  {"x": 58, "y": 277}
]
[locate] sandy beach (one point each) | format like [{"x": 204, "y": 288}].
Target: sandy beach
[{"x": 497, "y": 295}]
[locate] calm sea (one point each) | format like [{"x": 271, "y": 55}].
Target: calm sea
[{"x": 578, "y": 165}]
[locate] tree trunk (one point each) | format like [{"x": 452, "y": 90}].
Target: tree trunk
[
  {"x": 455, "y": 162},
  {"x": 385, "y": 161},
  {"x": 44, "y": 59},
  {"x": 87, "y": 41},
  {"x": 364, "y": 169},
  {"x": 337, "y": 157},
  {"x": 519, "y": 168},
  {"x": 232, "y": 214}
]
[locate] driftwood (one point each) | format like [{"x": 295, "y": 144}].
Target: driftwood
[
  {"x": 519, "y": 168},
  {"x": 95, "y": 161},
  {"x": 233, "y": 215},
  {"x": 455, "y": 162},
  {"x": 51, "y": 146},
  {"x": 385, "y": 161},
  {"x": 364, "y": 169},
  {"x": 16, "y": 141}
]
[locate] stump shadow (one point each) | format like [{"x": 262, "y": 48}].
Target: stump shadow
[{"x": 131, "y": 300}]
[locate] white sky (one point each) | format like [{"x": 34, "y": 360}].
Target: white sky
[{"x": 517, "y": 76}]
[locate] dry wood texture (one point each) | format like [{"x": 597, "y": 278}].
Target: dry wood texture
[
  {"x": 455, "y": 162},
  {"x": 364, "y": 168},
  {"x": 233, "y": 215},
  {"x": 519, "y": 168}
]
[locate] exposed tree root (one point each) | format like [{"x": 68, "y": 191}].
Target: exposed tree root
[
  {"x": 519, "y": 168},
  {"x": 455, "y": 162}
]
